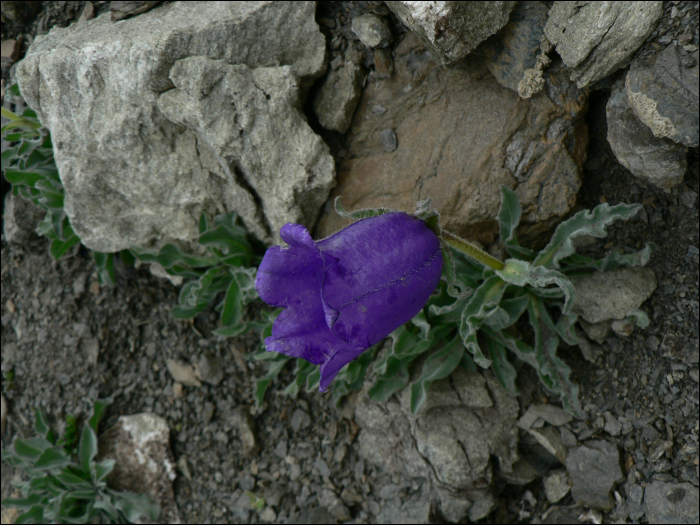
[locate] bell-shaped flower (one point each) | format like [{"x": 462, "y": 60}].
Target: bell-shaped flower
[{"x": 343, "y": 294}]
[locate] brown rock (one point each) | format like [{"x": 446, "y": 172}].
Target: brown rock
[{"x": 460, "y": 136}]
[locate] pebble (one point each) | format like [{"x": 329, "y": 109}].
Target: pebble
[
  {"x": 372, "y": 30},
  {"x": 388, "y": 139},
  {"x": 300, "y": 420},
  {"x": 268, "y": 515}
]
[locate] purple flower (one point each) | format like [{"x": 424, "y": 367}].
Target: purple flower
[{"x": 347, "y": 292}]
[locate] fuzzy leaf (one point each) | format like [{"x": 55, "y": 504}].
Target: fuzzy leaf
[
  {"x": 98, "y": 410},
  {"x": 640, "y": 318},
  {"x": 133, "y": 506},
  {"x": 553, "y": 372},
  {"x": 105, "y": 268},
  {"x": 482, "y": 304},
  {"x": 502, "y": 368},
  {"x": 103, "y": 468},
  {"x": 34, "y": 515},
  {"x": 88, "y": 448},
  {"x": 613, "y": 260},
  {"x": 51, "y": 458},
  {"x": 31, "y": 448},
  {"x": 508, "y": 220},
  {"x": 41, "y": 426},
  {"x": 438, "y": 366},
  {"x": 585, "y": 222},
  {"x": 170, "y": 255},
  {"x": 521, "y": 273}
]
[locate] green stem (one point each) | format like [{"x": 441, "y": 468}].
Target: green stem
[{"x": 470, "y": 250}]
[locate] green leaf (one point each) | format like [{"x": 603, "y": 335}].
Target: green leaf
[
  {"x": 237, "y": 251},
  {"x": 439, "y": 365},
  {"x": 301, "y": 373},
  {"x": 74, "y": 482},
  {"x": 133, "y": 506},
  {"x": 41, "y": 425},
  {"x": 98, "y": 410},
  {"x": 31, "y": 500},
  {"x": 170, "y": 255},
  {"x": 33, "y": 515},
  {"x": 203, "y": 223},
  {"x": 502, "y": 368},
  {"x": 103, "y": 469},
  {"x": 88, "y": 448},
  {"x": 359, "y": 214},
  {"x": 482, "y": 304},
  {"x": 52, "y": 458},
  {"x": 575, "y": 262},
  {"x": 51, "y": 193},
  {"x": 508, "y": 220},
  {"x": 31, "y": 448},
  {"x": 105, "y": 505},
  {"x": 313, "y": 380},
  {"x": 521, "y": 273},
  {"x": 566, "y": 328},
  {"x": 585, "y": 222},
  {"x": 105, "y": 268},
  {"x": 256, "y": 501},
  {"x": 554, "y": 373},
  {"x": 233, "y": 304},
  {"x": 28, "y": 178},
  {"x": 384, "y": 388},
  {"x": 640, "y": 318}
]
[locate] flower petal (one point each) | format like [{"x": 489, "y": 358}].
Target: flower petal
[
  {"x": 387, "y": 268},
  {"x": 287, "y": 275}
]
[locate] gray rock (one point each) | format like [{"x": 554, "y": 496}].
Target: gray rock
[
  {"x": 612, "y": 425},
  {"x": 388, "y": 139},
  {"x": 336, "y": 101},
  {"x": 252, "y": 127},
  {"x": 453, "y": 507},
  {"x": 467, "y": 419},
  {"x": 550, "y": 439},
  {"x": 659, "y": 161},
  {"x": 664, "y": 95},
  {"x": 597, "y": 38},
  {"x": 414, "y": 510},
  {"x": 613, "y": 294},
  {"x": 315, "y": 516},
  {"x": 557, "y": 485},
  {"x": 515, "y": 48},
  {"x": 372, "y": 30},
  {"x": 558, "y": 515},
  {"x": 595, "y": 470},
  {"x": 139, "y": 444},
  {"x": 182, "y": 373},
  {"x": 20, "y": 219},
  {"x": 300, "y": 420},
  {"x": 635, "y": 504},
  {"x": 671, "y": 502},
  {"x": 134, "y": 178},
  {"x": 482, "y": 507},
  {"x": 451, "y": 30},
  {"x": 210, "y": 369},
  {"x": 241, "y": 419},
  {"x": 536, "y": 415}
]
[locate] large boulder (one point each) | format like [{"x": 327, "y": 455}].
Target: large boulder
[
  {"x": 137, "y": 177},
  {"x": 596, "y": 39},
  {"x": 459, "y": 136}
]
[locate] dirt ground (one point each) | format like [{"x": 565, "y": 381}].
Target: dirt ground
[{"x": 67, "y": 341}]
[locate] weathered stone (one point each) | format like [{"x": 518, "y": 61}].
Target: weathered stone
[
  {"x": 257, "y": 139},
  {"x": 414, "y": 510},
  {"x": 515, "y": 48},
  {"x": 139, "y": 444},
  {"x": 210, "y": 369},
  {"x": 451, "y": 30},
  {"x": 671, "y": 503},
  {"x": 467, "y": 419},
  {"x": 182, "y": 373},
  {"x": 613, "y": 294},
  {"x": 664, "y": 95},
  {"x": 536, "y": 415},
  {"x": 597, "y": 38},
  {"x": 20, "y": 219},
  {"x": 336, "y": 101},
  {"x": 557, "y": 485},
  {"x": 595, "y": 471},
  {"x": 659, "y": 161},
  {"x": 134, "y": 178},
  {"x": 460, "y": 136},
  {"x": 124, "y": 9},
  {"x": 372, "y": 30}
]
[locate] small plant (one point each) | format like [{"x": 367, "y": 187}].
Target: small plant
[
  {"x": 473, "y": 316},
  {"x": 226, "y": 268},
  {"x": 67, "y": 487}
]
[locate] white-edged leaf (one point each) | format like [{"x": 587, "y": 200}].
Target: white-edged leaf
[
  {"x": 521, "y": 273},
  {"x": 508, "y": 220}
]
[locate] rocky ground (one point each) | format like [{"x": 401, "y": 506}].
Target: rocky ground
[{"x": 66, "y": 341}]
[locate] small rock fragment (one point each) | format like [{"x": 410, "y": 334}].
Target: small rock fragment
[
  {"x": 551, "y": 414},
  {"x": 623, "y": 327},
  {"x": 557, "y": 485},
  {"x": 671, "y": 503},
  {"x": 9, "y": 49},
  {"x": 388, "y": 140},
  {"x": 210, "y": 369},
  {"x": 124, "y": 9},
  {"x": 383, "y": 63},
  {"x": 595, "y": 471},
  {"x": 182, "y": 373},
  {"x": 340, "y": 92},
  {"x": 372, "y": 30},
  {"x": 243, "y": 421}
]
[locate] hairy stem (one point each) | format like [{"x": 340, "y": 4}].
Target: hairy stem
[{"x": 470, "y": 250}]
